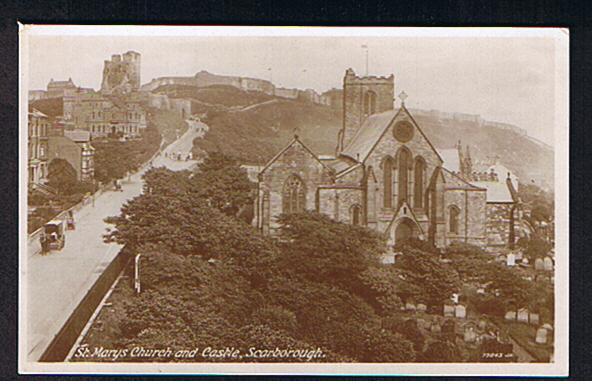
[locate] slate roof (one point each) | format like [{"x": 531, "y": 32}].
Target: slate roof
[
  {"x": 497, "y": 191},
  {"x": 451, "y": 159},
  {"x": 368, "y": 134}
]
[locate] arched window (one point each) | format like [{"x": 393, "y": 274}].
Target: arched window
[
  {"x": 453, "y": 213},
  {"x": 387, "y": 178},
  {"x": 369, "y": 103},
  {"x": 294, "y": 195},
  {"x": 356, "y": 214},
  {"x": 404, "y": 165},
  {"x": 420, "y": 167}
]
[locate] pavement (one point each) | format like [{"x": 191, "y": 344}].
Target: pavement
[{"x": 56, "y": 283}]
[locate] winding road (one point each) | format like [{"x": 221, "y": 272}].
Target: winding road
[{"x": 54, "y": 284}]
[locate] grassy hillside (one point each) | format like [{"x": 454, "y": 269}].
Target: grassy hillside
[
  {"x": 215, "y": 95},
  {"x": 256, "y": 134},
  {"x": 529, "y": 160}
]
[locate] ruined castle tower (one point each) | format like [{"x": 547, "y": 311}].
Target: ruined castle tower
[
  {"x": 362, "y": 97},
  {"x": 121, "y": 74}
]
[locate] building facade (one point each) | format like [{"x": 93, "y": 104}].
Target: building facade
[
  {"x": 38, "y": 126},
  {"x": 103, "y": 115},
  {"x": 385, "y": 175},
  {"x": 76, "y": 149}
]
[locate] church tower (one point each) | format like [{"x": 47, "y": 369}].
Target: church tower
[{"x": 362, "y": 97}]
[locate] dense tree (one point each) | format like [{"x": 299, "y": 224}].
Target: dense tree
[
  {"x": 223, "y": 184},
  {"x": 327, "y": 250},
  {"x": 423, "y": 277}
]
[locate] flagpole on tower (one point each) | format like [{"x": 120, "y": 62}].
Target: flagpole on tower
[{"x": 366, "y": 48}]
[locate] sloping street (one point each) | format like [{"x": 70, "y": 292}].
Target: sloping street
[{"x": 55, "y": 283}]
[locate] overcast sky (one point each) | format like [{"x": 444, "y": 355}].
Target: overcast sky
[{"x": 509, "y": 80}]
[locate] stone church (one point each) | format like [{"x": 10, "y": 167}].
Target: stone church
[{"x": 387, "y": 175}]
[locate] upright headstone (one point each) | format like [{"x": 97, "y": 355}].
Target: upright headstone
[
  {"x": 460, "y": 311},
  {"x": 534, "y": 318},
  {"x": 455, "y": 297},
  {"x": 510, "y": 315},
  {"x": 511, "y": 260},
  {"x": 470, "y": 335},
  {"x": 410, "y": 307},
  {"x": 539, "y": 265},
  {"x": 448, "y": 310},
  {"x": 523, "y": 315},
  {"x": 548, "y": 264},
  {"x": 525, "y": 261},
  {"x": 422, "y": 307},
  {"x": 541, "y": 336},
  {"x": 435, "y": 327}
]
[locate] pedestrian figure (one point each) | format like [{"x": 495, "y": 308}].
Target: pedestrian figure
[{"x": 43, "y": 240}]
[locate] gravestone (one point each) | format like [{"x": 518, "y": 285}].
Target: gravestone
[
  {"x": 422, "y": 307},
  {"x": 541, "y": 336},
  {"x": 455, "y": 298},
  {"x": 482, "y": 324},
  {"x": 511, "y": 260},
  {"x": 523, "y": 315},
  {"x": 460, "y": 311},
  {"x": 524, "y": 261},
  {"x": 534, "y": 318},
  {"x": 547, "y": 326},
  {"x": 539, "y": 265},
  {"x": 435, "y": 327},
  {"x": 410, "y": 307},
  {"x": 421, "y": 323},
  {"x": 470, "y": 335},
  {"x": 548, "y": 264},
  {"x": 448, "y": 310},
  {"x": 510, "y": 315}
]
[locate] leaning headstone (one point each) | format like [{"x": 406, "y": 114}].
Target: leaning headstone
[
  {"x": 548, "y": 264},
  {"x": 510, "y": 315},
  {"x": 448, "y": 310},
  {"x": 460, "y": 311},
  {"x": 541, "y": 336},
  {"x": 422, "y": 307},
  {"x": 534, "y": 318},
  {"x": 523, "y": 315},
  {"x": 410, "y": 307},
  {"x": 539, "y": 265},
  {"x": 547, "y": 326}
]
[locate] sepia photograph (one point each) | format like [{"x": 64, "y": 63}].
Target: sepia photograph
[{"x": 293, "y": 200}]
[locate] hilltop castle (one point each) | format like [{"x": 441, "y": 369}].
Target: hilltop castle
[
  {"x": 387, "y": 175},
  {"x": 121, "y": 74}
]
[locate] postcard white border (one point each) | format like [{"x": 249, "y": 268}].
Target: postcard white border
[{"x": 558, "y": 368}]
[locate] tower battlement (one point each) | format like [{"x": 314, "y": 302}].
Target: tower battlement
[{"x": 363, "y": 96}]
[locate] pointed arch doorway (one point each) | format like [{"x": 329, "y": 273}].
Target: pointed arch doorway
[{"x": 405, "y": 230}]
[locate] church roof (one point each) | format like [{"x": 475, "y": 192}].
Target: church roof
[
  {"x": 294, "y": 140},
  {"x": 454, "y": 181},
  {"x": 451, "y": 159},
  {"x": 372, "y": 130},
  {"x": 368, "y": 134},
  {"x": 497, "y": 191}
]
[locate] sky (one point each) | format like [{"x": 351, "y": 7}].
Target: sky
[{"x": 505, "y": 79}]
